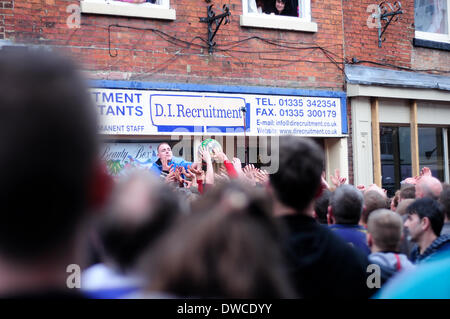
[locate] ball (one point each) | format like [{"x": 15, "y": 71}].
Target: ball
[{"x": 210, "y": 144}]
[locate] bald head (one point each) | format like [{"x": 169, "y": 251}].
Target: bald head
[{"x": 428, "y": 186}]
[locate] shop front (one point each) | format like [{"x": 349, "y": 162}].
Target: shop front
[
  {"x": 134, "y": 117},
  {"x": 400, "y": 124}
]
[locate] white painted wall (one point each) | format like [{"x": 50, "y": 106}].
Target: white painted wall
[
  {"x": 336, "y": 156},
  {"x": 433, "y": 112},
  {"x": 394, "y": 111},
  {"x": 362, "y": 141}
]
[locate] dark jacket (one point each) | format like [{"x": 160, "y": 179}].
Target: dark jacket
[
  {"x": 440, "y": 244},
  {"x": 321, "y": 264},
  {"x": 354, "y": 235}
]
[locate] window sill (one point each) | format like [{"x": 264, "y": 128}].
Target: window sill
[
  {"x": 435, "y": 37},
  {"x": 431, "y": 44},
  {"x": 277, "y": 22},
  {"x": 128, "y": 9}
]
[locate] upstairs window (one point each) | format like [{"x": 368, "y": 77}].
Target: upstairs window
[
  {"x": 278, "y": 14},
  {"x": 431, "y": 20},
  {"x": 153, "y": 9}
]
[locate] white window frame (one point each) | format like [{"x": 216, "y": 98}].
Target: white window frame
[
  {"x": 258, "y": 20},
  {"x": 437, "y": 37},
  {"x": 161, "y": 10}
]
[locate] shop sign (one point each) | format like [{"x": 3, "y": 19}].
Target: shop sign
[{"x": 150, "y": 112}]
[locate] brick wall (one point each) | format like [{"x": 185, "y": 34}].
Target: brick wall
[
  {"x": 153, "y": 56},
  {"x": 430, "y": 59},
  {"x": 6, "y": 12},
  {"x": 361, "y": 41}
]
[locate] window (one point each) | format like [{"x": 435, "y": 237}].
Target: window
[
  {"x": 278, "y": 14},
  {"x": 431, "y": 20},
  {"x": 395, "y": 150},
  {"x": 153, "y": 9},
  {"x": 431, "y": 150}
]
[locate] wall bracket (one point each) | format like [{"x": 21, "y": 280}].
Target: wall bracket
[
  {"x": 212, "y": 18},
  {"x": 387, "y": 13}
]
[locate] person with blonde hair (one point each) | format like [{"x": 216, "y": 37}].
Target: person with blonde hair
[{"x": 385, "y": 229}]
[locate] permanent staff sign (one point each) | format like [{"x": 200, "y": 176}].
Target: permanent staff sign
[{"x": 150, "y": 112}]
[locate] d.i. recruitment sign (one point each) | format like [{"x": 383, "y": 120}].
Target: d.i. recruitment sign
[{"x": 152, "y": 112}]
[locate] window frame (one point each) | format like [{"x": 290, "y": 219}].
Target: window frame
[
  {"x": 436, "y": 37},
  {"x": 258, "y": 20},
  {"x": 139, "y": 10}
]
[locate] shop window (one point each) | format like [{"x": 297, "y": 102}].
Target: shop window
[
  {"x": 395, "y": 150},
  {"x": 431, "y": 152},
  {"x": 431, "y": 20},
  {"x": 278, "y": 14},
  {"x": 152, "y": 9}
]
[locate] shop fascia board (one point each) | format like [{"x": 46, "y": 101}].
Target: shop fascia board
[{"x": 354, "y": 90}]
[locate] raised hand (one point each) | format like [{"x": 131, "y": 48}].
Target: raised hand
[
  {"x": 197, "y": 173},
  {"x": 336, "y": 179},
  {"x": 261, "y": 176},
  {"x": 171, "y": 178},
  {"x": 324, "y": 182},
  {"x": 205, "y": 155},
  {"x": 425, "y": 171},
  {"x": 238, "y": 166},
  {"x": 249, "y": 171},
  {"x": 220, "y": 156}
]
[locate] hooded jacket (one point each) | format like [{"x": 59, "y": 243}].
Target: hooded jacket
[{"x": 390, "y": 264}]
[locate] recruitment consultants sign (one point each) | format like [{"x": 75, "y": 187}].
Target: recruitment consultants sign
[{"x": 151, "y": 112}]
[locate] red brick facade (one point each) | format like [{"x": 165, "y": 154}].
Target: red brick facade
[
  {"x": 6, "y": 24},
  {"x": 152, "y": 56},
  {"x": 175, "y": 51},
  {"x": 361, "y": 43},
  {"x": 361, "y": 40}
]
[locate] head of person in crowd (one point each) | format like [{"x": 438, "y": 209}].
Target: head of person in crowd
[
  {"x": 410, "y": 181},
  {"x": 225, "y": 249},
  {"x": 385, "y": 229},
  {"x": 164, "y": 152},
  {"x": 444, "y": 199},
  {"x": 384, "y": 236},
  {"x": 407, "y": 192},
  {"x": 141, "y": 209},
  {"x": 373, "y": 200},
  {"x": 298, "y": 179},
  {"x": 346, "y": 205},
  {"x": 321, "y": 207},
  {"x": 394, "y": 201},
  {"x": 424, "y": 222},
  {"x": 428, "y": 186},
  {"x": 52, "y": 175},
  {"x": 403, "y": 205}
]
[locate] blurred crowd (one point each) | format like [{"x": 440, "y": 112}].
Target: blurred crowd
[{"x": 214, "y": 228}]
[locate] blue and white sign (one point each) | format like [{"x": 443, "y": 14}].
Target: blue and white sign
[{"x": 152, "y": 112}]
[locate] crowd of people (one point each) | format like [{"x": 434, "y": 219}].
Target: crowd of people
[{"x": 208, "y": 229}]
